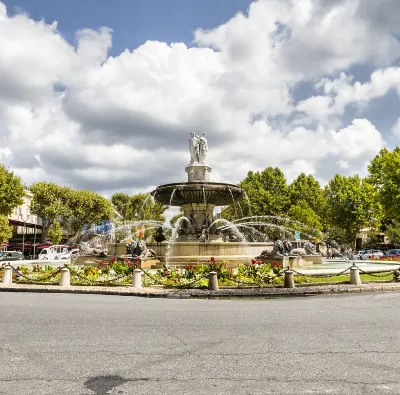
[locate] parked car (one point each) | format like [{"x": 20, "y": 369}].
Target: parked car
[
  {"x": 358, "y": 254},
  {"x": 53, "y": 252},
  {"x": 70, "y": 254},
  {"x": 11, "y": 256},
  {"x": 371, "y": 254},
  {"x": 392, "y": 253}
]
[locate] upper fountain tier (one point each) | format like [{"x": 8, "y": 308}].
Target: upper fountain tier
[
  {"x": 198, "y": 189},
  {"x": 215, "y": 193}
]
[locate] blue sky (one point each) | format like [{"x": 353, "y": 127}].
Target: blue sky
[{"x": 133, "y": 21}]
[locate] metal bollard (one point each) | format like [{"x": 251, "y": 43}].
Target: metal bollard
[
  {"x": 289, "y": 279},
  {"x": 137, "y": 278},
  {"x": 355, "y": 276},
  {"x": 7, "y": 275},
  {"x": 213, "y": 281},
  {"x": 65, "y": 279}
]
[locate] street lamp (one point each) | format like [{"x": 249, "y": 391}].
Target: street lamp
[{"x": 23, "y": 231}]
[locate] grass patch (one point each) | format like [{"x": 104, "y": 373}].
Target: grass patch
[{"x": 344, "y": 279}]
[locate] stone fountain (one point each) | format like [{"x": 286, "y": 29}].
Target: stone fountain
[
  {"x": 198, "y": 196},
  {"x": 199, "y": 234}
]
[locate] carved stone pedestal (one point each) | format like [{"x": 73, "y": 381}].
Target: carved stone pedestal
[{"x": 198, "y": 172}]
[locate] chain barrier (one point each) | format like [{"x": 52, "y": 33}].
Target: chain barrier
[
  {"x": 323, "y": 275},
  {"x": 374, "y": 274},
  {"x": 196, "y": 280},
  {"x": 40, "y": 279}
]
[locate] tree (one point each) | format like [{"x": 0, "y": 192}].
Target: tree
[
  {"x": 88, "y": 208},
  {"x": 5, "y": 229},
  {"x": 384, "y": 175},
  {"x": 140, "y": 206},
  {"x": 55, "y": 232},
  {"x": 122, "y": 203},
  {"x": 267, "y": 192},
  {"x": 393, "y": 232},
  {"x": 307, "y": 189},
  {"x": 352, "y": 206},
  {"x": 50, "y": 202},
  {"x": 145, "y": 208},
  {"x": 11, "y": 191},
  {"x": 303, "y": 213}
]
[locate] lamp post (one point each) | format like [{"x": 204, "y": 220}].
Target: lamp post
[
  {"x": 34, "y": 240},
  {"x": 23, "y": 231}
]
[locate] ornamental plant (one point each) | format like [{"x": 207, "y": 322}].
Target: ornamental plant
[{"x": 258, "y": 271}]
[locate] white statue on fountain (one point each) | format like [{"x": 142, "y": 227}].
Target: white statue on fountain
[
  {"x": 198, "y": 147},
  {"x": 203, "y": 149},
  {"x": 194, "y": 148}
]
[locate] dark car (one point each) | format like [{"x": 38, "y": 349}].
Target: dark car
[
  {"x": 11, "y": 256},
  {"x": 392, "y": 253}
]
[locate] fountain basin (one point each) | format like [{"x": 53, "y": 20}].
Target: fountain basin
[{"x": 214, "y": 193}]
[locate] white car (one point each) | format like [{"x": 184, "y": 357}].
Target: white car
[
  {"x": 371, "y": 254},
  {"x": 359, "y": 254},
  {"x": 70, "y": 254}
]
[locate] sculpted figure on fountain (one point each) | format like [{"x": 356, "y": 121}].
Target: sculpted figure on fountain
[
  {"x": 194, "y": 148},
  {"x": 203, "y": 148}
]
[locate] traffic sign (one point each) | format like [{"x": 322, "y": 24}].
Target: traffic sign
[{"x": 297, "y": 235}]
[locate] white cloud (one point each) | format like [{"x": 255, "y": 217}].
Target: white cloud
[
  {"x": 80, "y": 117},
  {"x": 341, "y": 92},
  {"x": 396, "y": 128}
]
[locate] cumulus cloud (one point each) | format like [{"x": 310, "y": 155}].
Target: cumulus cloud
[{"x": 76, "y": 115}]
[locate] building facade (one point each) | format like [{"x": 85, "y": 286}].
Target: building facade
[{"x": 25, "y": 225}]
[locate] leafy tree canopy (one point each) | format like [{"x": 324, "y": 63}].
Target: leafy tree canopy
[
  {"x": 140, "y": 206},
  {"x": 122, "y": 203},
  {"x": 11, "y": 191},
  {"x": 302, "y": 212},
  {"x": 384, "y": 175},
  {"x": 393, "y": 232},
  {"x": 307, "y": 189},
  {"x": 55, "y": 232},
  {"x": 87, "y": 208},
  {"x": 352, "y": 205},
  {"x": 5, "y": 229},
  {"x": 267, "y": 192},
  {"x": 50, "y": 202}
]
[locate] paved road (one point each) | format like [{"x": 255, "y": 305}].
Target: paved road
[{"x": 89, "y": 344}]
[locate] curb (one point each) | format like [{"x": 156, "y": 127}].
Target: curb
[{"x": 235, "y": 293}]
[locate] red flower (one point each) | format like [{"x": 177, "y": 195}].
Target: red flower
[
  {"x": 253, "y": 261},
  {"x": 259, "y": 262},
  {"x": 212, "y": 259},
  {"x": 275, "y": 264},
  {"x": 59, "y": 267},
  {"x": 137, "y": 259}
]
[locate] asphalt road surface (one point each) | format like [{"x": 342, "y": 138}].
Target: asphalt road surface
[{"x": 92, "y": 344}]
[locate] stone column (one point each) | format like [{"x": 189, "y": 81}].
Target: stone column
[
  {"x": 355, "y": 276},
  {"x": 213, "y": 281},
  {"x": 65, "y": 279},
  {"x": 7, "y": 275},
  {"x": 137, "y": 278},
  {"x": 289, "y": 279}
]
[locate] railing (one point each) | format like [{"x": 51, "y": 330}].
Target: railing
[{"x": 288, "y": 275}]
